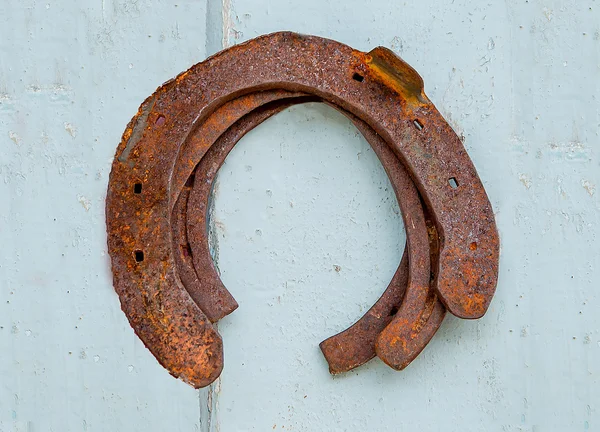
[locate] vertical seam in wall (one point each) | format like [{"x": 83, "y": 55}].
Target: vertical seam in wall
[
  {"x": 214, "y": 26},
  {"x": 218, "y": 24},
  {"x": 211, "y": 227}
]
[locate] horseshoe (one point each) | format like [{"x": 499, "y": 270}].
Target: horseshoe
[{"x": 171, "y": 310}]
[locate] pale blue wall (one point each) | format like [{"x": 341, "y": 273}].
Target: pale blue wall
[{"x": 520, "y": 80}]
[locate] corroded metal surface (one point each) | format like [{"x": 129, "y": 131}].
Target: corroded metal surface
[{"x": 170, "y": 152}]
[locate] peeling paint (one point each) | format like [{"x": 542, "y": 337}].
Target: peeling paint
[
  {"x": 85, "y": 203},
  {"x": 589, "y": 187},
  {"x": 14, "y": 137},
  {"x": 526, "y": 180},
  {"x": 71, "y": 130}
]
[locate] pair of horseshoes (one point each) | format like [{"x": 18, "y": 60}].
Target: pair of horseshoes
[{"x": 161, "y": 178}]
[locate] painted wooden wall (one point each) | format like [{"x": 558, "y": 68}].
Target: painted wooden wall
[{"x": 307, "y": 232}]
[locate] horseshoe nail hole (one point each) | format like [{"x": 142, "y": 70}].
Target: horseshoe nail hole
[
  {"x": 139, "y": 256},
  {"x": 187, "y": 250},
  {"x": 160, "y": 120},
  {"x": 418, "y": 124},
  {"x": 452, "y": 182},
  {"x": 358, "y": 77},
  {"x": 137, "y": 188},
  {"x": 190, "y": 180},
  {"x": 393, "y": 311},
  {"x": 473, "y": 246}
]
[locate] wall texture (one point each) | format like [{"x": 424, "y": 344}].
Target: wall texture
[{"x": 305, "y": 228}]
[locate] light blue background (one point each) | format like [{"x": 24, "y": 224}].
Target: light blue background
[{"x": 305, "y": 227}]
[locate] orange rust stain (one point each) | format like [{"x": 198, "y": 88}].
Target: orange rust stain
[
  {"x": 475, "y": 304},
  {"x": 470, "y": 275},
  {"x": 398, "y": 75},
  {"x": 181, "y": 76}
]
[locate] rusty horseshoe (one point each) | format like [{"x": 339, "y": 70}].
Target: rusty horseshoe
[{"x": 157, "y": 200}]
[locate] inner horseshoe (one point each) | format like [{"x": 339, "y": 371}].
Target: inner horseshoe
[{"x": 356, "y": 345}]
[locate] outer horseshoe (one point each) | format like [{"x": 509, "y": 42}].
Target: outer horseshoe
[{"x": 154, "y": 163}]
